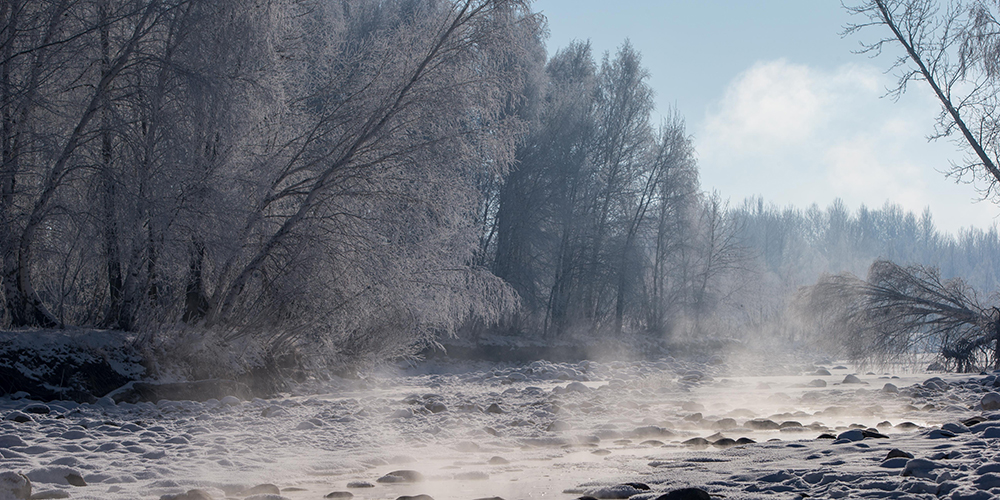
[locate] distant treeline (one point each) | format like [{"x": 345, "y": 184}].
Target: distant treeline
[
  {"x": 793, "y": 247},
  {"x": 796, "y": 245}
]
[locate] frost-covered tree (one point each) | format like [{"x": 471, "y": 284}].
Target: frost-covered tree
[
  {"x": 952, "y": 47},
  {"x": 274, "y": 171},
  {"x": 899, "y": 311}
]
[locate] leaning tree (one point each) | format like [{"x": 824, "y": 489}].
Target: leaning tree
[
  {"x": 901, "y": 310},
  {"x": 953, "y": 48}
]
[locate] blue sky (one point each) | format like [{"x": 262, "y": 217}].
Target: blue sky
[{"x": 778, "y": 104}]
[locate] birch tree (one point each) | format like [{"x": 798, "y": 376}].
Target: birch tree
[{"x": 951, "y": 47}]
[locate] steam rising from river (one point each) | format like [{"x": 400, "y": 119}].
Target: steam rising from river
[{"x": 471, "y": 431}]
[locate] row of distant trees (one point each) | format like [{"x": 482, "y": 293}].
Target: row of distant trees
[{"x": 792, "y": 248}]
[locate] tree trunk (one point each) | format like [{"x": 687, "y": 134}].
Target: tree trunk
[
  {"x": 195, "y": 300},
  {"x": 117, "y": 315}
]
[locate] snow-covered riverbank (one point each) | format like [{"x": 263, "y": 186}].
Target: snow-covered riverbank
[{"x": 543, "y": 430}]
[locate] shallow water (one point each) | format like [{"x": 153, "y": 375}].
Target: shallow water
[{"x": 555, "y": 434}]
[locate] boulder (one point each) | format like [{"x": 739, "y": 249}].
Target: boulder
[
  {"x": 263, "y": 489},
  {"x": 852, "y": 435},
  {"x": 189, "y": 495},
  {"x": 897, "y": 453},
  {"x": 919, "y": 467},
  {"x": 15, "y": 485},
  {"x": 402, "y": 476},
  {"x": 990, "y": 401},
  {"x": 686, "y": 494}
]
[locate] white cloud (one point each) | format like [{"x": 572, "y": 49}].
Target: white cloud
[
  {"x": 798, "y": 135},
  {"x": 771, "y": 104}
]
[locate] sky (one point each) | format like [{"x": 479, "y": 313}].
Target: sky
[{"x": 780, "y": 105}]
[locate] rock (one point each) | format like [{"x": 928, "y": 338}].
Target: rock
[
  {"x": 74, "y": 434},
  {"x": 919, "y": 467},
  {"x": 851, "y": 379},
  {"x": 871, "y": 433},
  {"x": 651, "y": 431},
  {"x": 402, "y": 413},
  {"x": 890, "y": 389},
  {"x": 274, "y": 411},
  {"x": 37, "y": 408},
  {"x": 15, "y": 485},
  {"x": 852, "y": 435},
  {"x": 940, "y": 434},
  {"x": 955, "y": 428},
  {"x": 724, "y": 443},
  {"x": 231, "y": 401},
  {"x": 692, "y": 406},
  {"x": 339, "y": 494},
  {"x": 776, "y": 477},
  {"x": 822, "y": 372},
  {"x": 189, "y": 495},
  {"x": 936, "y": 383},
  {"x": 360, "y": 484},
  {"x": 990, "y": 401},
  {"x": 967, "y": 493},
  {"x": 11, "y": 440},
  {"x": 17, "y": 416},
  {"x": 267, "y": 496},
  {"x": 75, "y": 479},
  {"x": 988, "y": 481},
  {"x": 762, "y": 424},
  {"x": 725, "y": 423},
  {"x": 494, "y": 408},
  {"x": 817, "y": 383},
  {"x": 263, "y": 489},
  {"x": 686, "y": 494},
  {"x": 415, "y": 497},
  {"x": 617, "y": 491},
  {"x": 978, "y": 419},
  {"x": 436, "y": 407},
  {"x": 697, "y": 442},
  {"x": 894, "y": 463},
  {"x": 577, "y": 387},
  {"x": 907, "y": 426},
  {"x": 745, "y": 440},
  {"x": 402, "y": 476},
  {"x": 897, "y": 453},
  {"x": 498, "y": 461}
]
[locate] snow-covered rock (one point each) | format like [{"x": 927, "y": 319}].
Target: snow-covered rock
[
  {"x": 990, "y": 401},
  {"x": 14, "y": 485}
]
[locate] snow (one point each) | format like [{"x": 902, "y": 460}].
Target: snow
[{"x": 542, "y": 430}]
